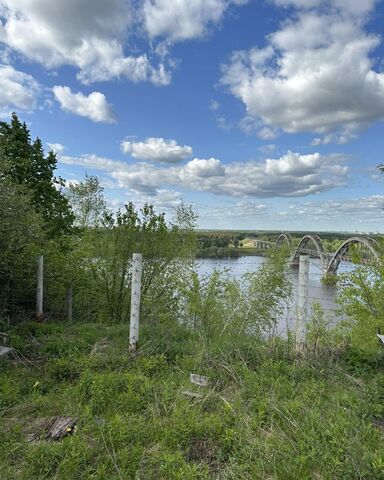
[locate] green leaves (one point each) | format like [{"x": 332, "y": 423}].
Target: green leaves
[
  {"x": 23, "y": 163},
  {"x": 87, "y": 201}
]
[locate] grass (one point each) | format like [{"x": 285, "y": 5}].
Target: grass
[{"x": 264, "y": 416}]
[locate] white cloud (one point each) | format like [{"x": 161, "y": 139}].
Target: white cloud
[
  {"x": 156, "y": 149},
  {"x": 183, "y": 19},
  {"x": 94, "y": 106},
  {"x": 18, "y": 90},
  {"x": 162, "y": 199},
  {"x": 316, "y": 74},
  {"x": 352, "y": 7},
  {"x": 56, "y": 147},
  {"x": 94, "y": 161},
  {"x": 202, "y": 168},
  {"x": 95, "y": 36},
  {"x": 353, "y": 212},
  {"x": 238, "y": 209},
  {"x": 268, "y": 149},
  {"x": 267, "y": 133},
  {"x": 292, "y": 175},
  {"x": 344, "y": 214},
  {"x": 90, "y": 35}
]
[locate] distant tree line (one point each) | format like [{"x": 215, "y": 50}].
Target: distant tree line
[{"x": 217, "y": 246}]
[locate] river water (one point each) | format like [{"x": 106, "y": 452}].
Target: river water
[{"x": 325, "y": 295}]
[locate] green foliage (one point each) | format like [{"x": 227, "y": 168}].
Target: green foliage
[
  {"x": 215, "y": 245},
  {"x": 327, "y": 336},
  {"x": 34, "y": 216},
  {"x": 262, "y": 415},
  {"x": 20, "y": 226},
  {"x": 87, "y": 201},
  {"x": 24, "y": 163},
  {"x": 128, "y": 390},
  {"x": 222, "y": 309},
  {"x": 21, "y": 237},
  {"x": 362, "y": 300},
  {"x": 267, "y": 292},
  {"x": 160, "y": 465},
  {"x": 105, "y": 255}
]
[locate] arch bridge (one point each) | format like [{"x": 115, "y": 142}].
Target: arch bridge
[{"x": 312, "y": 245}]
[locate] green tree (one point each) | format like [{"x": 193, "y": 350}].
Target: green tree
[
  {"x": 87, "y": 201},
  {"x": 167, "y": 251},
  {"x": 24, "y": 163},
  {"x": 21, "y": 237}
]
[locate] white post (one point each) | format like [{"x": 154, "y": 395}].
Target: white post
[
  {"x": 39, "y": 287},
  {"x": 69, "y": 303},
  {"x": 135, "y": 301},
  {"x": 302, "y": 304}
]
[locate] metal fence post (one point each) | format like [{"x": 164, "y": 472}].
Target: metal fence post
[
  {"x": 302, "y": 304},
  {"x": 40, "y": 288},
  {"x": 135, "y": 301}
]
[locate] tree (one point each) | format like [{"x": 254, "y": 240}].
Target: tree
[
  {"x": 106, "y": 253},
  {"x": 24, "y": 163},
  {"x": 20, "y": 225},
  {"x": 21, "y": 237},
  {"x": 87, "y": 201}
]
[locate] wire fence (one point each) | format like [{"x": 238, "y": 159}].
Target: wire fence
[{"x": 18, "y": 293}]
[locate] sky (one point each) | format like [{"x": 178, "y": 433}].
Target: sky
[{"x": 263, "y": 114}]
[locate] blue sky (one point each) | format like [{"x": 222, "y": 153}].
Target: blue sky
[{"x": 264, "y": 114}]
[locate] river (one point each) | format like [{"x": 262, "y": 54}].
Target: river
[{"x": 325, "y": 295}]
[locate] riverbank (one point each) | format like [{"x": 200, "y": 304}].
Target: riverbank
[{"x": 262, "y": 415}]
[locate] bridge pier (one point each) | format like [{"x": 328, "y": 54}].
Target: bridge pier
[{"x": 294, "y": 262}]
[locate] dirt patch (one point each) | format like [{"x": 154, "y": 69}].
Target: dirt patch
[
  {"x": 203, "y": 450},
  {"x": 378, "y": 423}
]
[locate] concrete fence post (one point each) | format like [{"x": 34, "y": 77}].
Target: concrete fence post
[
  {"x": 137, "y": 265},
  {"x": 302, "y": 304},
  {"x": 40, "y": 288}
]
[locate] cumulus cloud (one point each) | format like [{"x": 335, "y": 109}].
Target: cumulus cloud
[
  {"x": 203, "y": 168},
  {"x": 292, "y": 175},
  {"x": 18, "y": 90},
  {"x": 184, "y": 19},
  {"x": 90, "y": 35},
  {"x": 93, "y": 106},
  {"x": 316, "y": 73},
  {"x": 162, "y": 199},
  {"x": 156, "y": 149},
  {"x": 56, "y": 147},
  {"x": 94, "y": 35}
]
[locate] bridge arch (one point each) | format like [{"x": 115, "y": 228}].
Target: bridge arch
[
  {"x": 283, "y": 238},
  {"x": 302, "y": 248},
  {"x": 367, "y": 242}
]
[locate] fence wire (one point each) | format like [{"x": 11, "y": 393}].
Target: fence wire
[{"x": 18, "y": 293}]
